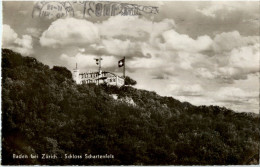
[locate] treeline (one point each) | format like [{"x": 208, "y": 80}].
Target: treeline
[{"x": 44, "y": 111}]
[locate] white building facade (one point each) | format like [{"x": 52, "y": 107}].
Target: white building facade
[{"x": 101, "y": 77}]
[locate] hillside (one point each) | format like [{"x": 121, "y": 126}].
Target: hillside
[{"x": 45, "y": 112}]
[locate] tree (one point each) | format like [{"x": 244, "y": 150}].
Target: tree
[
  {"x": 62, "y": 70},
  {"x": 129, "y": 81}
]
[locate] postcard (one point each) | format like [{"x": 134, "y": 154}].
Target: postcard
[{"x": 130, "y": 83}]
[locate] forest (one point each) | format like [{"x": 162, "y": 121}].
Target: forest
[{"x": 45, "y": 112}]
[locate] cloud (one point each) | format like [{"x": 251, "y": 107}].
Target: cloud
[
  {"x": 69, "y": 31},
  {"x": 189, "y": 61},
  {"x": 183, "y": 42},
  {"x": 228, "y": 93},
  {"x": 120, "y": 47},
  {"x": 246, "y": 58},
  {"x": 86, "y": 61},
  {"x": 223, "y": 75},
  {"x": 148, "y": 63},
  {"x": 227, "y": 41},
  {"x": 25, "y": 41},
  {"x": 120, "y": 41},
  {"x": 205, "y": 73},
  {"x": 9, "y": 35},
  {"x": 233, "y": 57},
  {"x": 117, "y": 38},
  {"x": 72, "y": 31},
  {"x": 186, "y": 90},
  {"x": 81, "y": 50},
  {"x": 22, "y": 45},
  {"x": 34, "y": 32},
  {"x": 213, "y": 9},
  {"x": 133, "y": 26},
  {"x": 161, "y": 77},
  {"x": 254, "y": 22},
  {"x": 237, "y": 99}
]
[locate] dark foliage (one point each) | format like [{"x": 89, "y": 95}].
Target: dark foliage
[
  {"x": 129, "y": 81},
  {"x": 44, "y": 111},
  {"x": 63, "y": 71}
]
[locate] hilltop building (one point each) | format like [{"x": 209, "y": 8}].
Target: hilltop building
[{"x": 101, "y": 77}]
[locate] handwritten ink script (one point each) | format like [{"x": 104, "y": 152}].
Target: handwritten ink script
[
  {"x": 113, "y": 8},
  {"x": 55, "y": 10}
]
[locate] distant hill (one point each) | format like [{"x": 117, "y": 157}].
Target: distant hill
[{"x": 45, "y": 112}]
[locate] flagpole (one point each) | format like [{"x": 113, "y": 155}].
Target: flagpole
[
  {"x": 124, "y": 68},
  {"x": 124, "y": 71},
  {"x": 99, "y": 61},
  {"x": 99, "y": 71}
]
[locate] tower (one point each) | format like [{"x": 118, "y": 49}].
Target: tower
[
  {"x": 98, "y": 62},
  {"x": 75, "y": 75}
]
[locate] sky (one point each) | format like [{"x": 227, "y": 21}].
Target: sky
[{"x": 205, "y": 53}]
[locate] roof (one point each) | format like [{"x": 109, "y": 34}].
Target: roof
[{"x": 101, "y": 72}]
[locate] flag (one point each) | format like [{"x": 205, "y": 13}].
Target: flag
[{"x": 121, "y": 63}]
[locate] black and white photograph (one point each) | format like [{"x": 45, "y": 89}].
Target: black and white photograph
[{"x": 130, "y": 83}]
